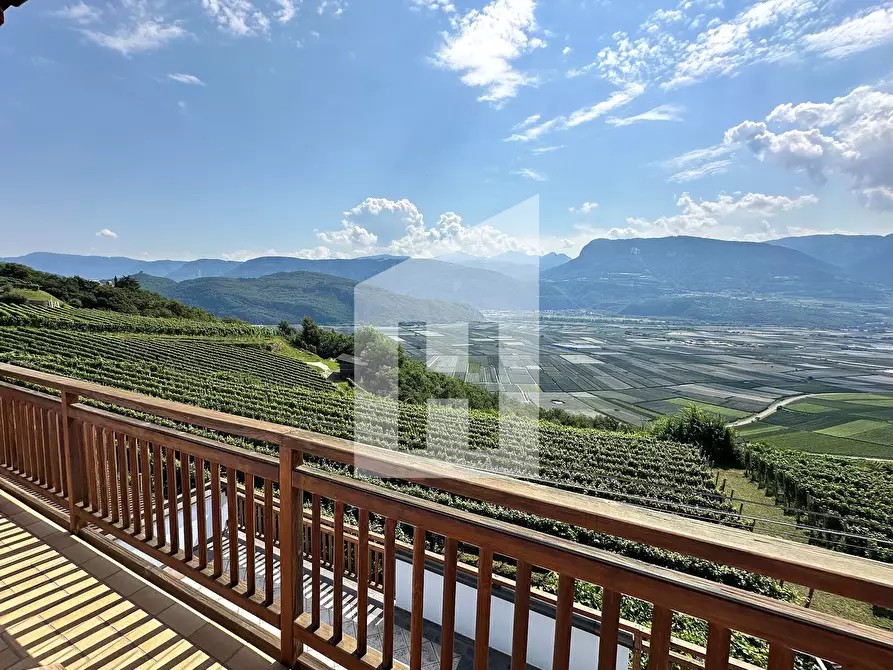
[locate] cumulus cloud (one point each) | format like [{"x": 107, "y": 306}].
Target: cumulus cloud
[
  {"x": 659, "y": 113},
  {"x": 186, "y": 79},
  {"x": 722, "y": 217},
  {"x": 80, "y": 13},
  {"x": 585, "y": 208},
  {"x": 380, "y": 225},
  {"x": 444, "y": 6},
  {"x": 852, "y": 136},
  {"x": 105, "y": 232},
  {"x": 484, "y": 44},
  {"x": 287, "y": 10}
]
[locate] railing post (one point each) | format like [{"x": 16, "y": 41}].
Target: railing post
[
  {"x": 291, "y": 553},
  {"x": 72, "y": 454}
]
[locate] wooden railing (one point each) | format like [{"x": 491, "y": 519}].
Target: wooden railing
[{"x": 128, "y": 478}]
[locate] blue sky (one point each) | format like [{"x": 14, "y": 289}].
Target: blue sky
[{"x": 323, "y": 128}]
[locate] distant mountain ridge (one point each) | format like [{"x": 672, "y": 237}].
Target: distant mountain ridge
[
  {"x": 290, "y": 296},
  {"x": 866, "y": 258}
]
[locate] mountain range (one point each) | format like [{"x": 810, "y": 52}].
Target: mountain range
[{"x": 692, "y": 277}]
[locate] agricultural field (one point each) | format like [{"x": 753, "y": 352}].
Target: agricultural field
[
  {"x": 841, "y": 424},
  {"x": 638, "y": 369}
]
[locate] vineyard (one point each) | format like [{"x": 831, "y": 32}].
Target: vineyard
[
  {"x": 94, "y": 320},
  {"x": 859, "y": 492}
]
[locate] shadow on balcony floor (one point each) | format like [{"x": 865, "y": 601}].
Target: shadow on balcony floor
[{"x": 62, "y": 602}]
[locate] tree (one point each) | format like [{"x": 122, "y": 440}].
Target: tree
[
  {"x": 127, "y": 283},
  {"x": 695, "y": 426}
]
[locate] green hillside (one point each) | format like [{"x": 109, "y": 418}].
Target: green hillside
[{"x": 290, "y": 296}]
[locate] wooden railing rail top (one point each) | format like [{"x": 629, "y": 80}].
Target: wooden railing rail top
[{"x": 851, "y": 576}]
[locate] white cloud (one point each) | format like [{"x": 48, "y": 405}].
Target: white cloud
[
  {"x": 105, "y": 232},
  {"x": 533, "y": 175},
  {"x": 444, "y": 6},
  {"x": 546, "y": 150},
  {"x": 529, "y": 121},
  {"x": 659, "y": 113},
  {"x": 379, "y": 225},
  {"x": 237, "y": 17},
  {"x": 721, "y": 218},
  {"x": 585, "y": 208},
  {"x": 858, "y": 33},
  {"x": 852, "y": 135},
  {"x": 566, "y": 50},
  {"x": 186, "y": 79},
  {"x": 81, "y": 13},
  {"x": 145, "y": 35},
  {"x": 484, "y": 43},
  {"x": 701, "y": 171},
  {"x": 287, "y": 10},
  {"x": 580, "y": 116},
  {"x": 336, "y": 7}
]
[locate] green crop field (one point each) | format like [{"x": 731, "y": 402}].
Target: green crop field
[
  {"x": 844, "y": 424},
  {"x": 725, "y": 412}
]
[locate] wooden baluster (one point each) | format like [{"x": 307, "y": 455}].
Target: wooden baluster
[
  {"x": 18, "y": 437},
  {"x": 72, "y": 457},
  {"x": 609, "y": 630},
  {"x": 63, "y": 466},
  {"x": 661, "y": 627},
  {"x": 390, "y": 593},
  {"x": 92, "y": 469},
  {"x": 482, "y": 621},
  {"x": 121, "y": 456},
  {"x": 186, "y": 488},
  {"x": 49, "y": 468},
  {"x": 135, "y": 486},
  {"x": 114, "y": 499},
  {"x": 448, "y": 610},
  {"x": 35, "y": 443},
  {"x": 146, "y": 478},
  {"x": 268, "y": 542},
  {"x": 173, "y": 521},
  {"x": 27, "y": 442},
  {"x": 291, "y": 552},
  {"x": 4, "y": 436},
  {"x": 338, "y": 574},
  {"x": 418, "y": 599},
  {"x": 561, "y": 654},
  {"x": 232, "y": 524},
  {"x": 40, "y": 440},
  {"x": 102, "y": 472},
  {"x": 201, "y": 512},
  {"x": 13, "y": 436},
  {"x": 718, "y": 641},
  {"x": 4, "y": 433},
  {"x": 158, "y": 481},
  {"x": 363, "y": 582},
  {"x": 521, "y": 618},
  {"x": 250, "y": 558},
  {"x": 780, "y": 657},
  {"x": 216, "y": 522},
  {"x": 315, "y": 557}
]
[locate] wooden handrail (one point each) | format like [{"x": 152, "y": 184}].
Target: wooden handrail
[
  {"x": 129, "y": 478},
  {"x": 851, "y": 576}
]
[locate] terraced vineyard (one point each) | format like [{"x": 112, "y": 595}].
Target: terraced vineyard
[
  {"x": 95, "y": 320},
  {"x": 860, "y": 492}
]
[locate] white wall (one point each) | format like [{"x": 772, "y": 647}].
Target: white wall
[{"x": 541, "y": 628}]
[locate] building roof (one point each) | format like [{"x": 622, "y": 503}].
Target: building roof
[{"x": 347, "y": 358}]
